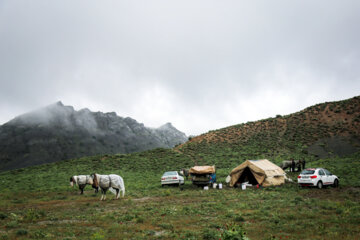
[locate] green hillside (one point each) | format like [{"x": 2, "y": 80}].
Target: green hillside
[{"x": 321, "y": 131}]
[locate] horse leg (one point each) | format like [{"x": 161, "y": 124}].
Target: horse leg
[
  {"x": 81, "y": 187},
  {"x": 117, "y": 193},
  {"x": 105, "y": 194},
  {"x": 96, "y": 189},
  {"x": 102, "y": 194}
]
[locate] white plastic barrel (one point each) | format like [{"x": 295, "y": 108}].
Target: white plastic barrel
[
  {"x": 206, "y": 188},
  {"x": 214, "y": 185},
  {"x": 243, "y": 186},
  {"x": 220, "y": 185}
]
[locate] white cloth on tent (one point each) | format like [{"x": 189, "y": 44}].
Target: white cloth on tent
[{"x": 228, "y": 179}]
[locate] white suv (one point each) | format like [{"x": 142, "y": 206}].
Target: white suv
[{"x": 318, "y": 177}]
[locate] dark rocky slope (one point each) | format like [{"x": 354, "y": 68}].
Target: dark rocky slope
[{"x": 58, "y": 132}]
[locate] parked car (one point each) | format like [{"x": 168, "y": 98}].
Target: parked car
[
  {"x": 317, "y": 177},
  {"x": 172, "y": 178}
]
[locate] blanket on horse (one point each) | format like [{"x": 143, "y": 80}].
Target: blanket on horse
[{"x": 107, "y": 181}]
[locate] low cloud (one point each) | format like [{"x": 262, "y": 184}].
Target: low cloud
[{"x": 201, "y": 65}]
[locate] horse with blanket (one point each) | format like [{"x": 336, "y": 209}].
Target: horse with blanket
[
  {"x": 81, "y": 181},
  {"x": 106, "y": 182}
]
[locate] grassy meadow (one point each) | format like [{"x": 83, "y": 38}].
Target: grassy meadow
[{"x": 38, "y": 203}]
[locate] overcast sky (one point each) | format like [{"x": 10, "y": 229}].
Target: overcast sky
[{"x": 201, "y": 65}]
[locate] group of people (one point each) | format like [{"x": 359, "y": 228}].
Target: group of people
[
  {"x": 293, "y": 164},
  {"x": 300, "y": 164}
]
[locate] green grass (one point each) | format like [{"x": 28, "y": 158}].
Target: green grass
[{"x": 38, "y": 203}]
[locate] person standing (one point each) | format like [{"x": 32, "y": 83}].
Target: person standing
[
  {"x": 303, "y": 164},
  {"x": 299, "y": 165}
]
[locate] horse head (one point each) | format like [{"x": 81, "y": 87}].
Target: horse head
[
  {"x": 72, "y": 180},
  {"x": 95, "y": 182}
]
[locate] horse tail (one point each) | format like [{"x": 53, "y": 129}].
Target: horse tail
[{"x": 122, "y": 186}]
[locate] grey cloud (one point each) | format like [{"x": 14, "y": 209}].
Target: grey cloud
[{"x": 197, "y": 64}]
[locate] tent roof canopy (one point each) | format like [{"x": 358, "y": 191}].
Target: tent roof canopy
[
  {"x": 265, "y": 172},
  {"x": 202, "y": 169}
]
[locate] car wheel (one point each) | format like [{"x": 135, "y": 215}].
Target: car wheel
[
  {"x": 319, "y": 185},
  {"x": 336, "y": 183}
]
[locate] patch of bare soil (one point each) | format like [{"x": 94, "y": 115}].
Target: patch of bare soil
[
  {"x": 144, "y": 199},
  {"x": 58, "y": 222},
  {"x": 159, "y": 233}
]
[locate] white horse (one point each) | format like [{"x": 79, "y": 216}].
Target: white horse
[
  {"x": 81, "y": 181},
  {"x": 106, "y": 182}
]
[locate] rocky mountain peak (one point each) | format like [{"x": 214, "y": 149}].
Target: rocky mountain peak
[
  {"x": 59, "y": 103},
  {"x": 167, "y": 126},
  {"x": 57, "y": 132}
]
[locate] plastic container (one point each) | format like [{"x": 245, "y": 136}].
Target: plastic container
[
  {"x": 206, "y": 188},
  {"x": 243, "y": 186},
  {"x": 220, "y": 185},
  {"x": 214, "y": 185}
]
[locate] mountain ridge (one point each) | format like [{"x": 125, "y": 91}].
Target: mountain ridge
[
  {"x": 58, "y": 132},
  {"x": 321, "y": 130}
]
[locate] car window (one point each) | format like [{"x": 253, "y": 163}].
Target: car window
[
  {"x": 170, "y": 173},
  {"x": 307, "y": 172},
  {"x": 327, "y": 172},
  {"x": 321, "y": 172}
]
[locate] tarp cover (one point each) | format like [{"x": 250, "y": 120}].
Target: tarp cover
[
  {"x": 265, "y": 172},
  {"x": 202, "y": 169}
]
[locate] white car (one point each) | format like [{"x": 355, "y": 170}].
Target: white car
[
  {"x": 318, "y": 177},
  {"x": 172, "y": 177}
]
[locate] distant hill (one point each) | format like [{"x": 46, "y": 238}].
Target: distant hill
[
  {"x": 320, "y": 131},
  {"x": 58, "y": 132}
]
